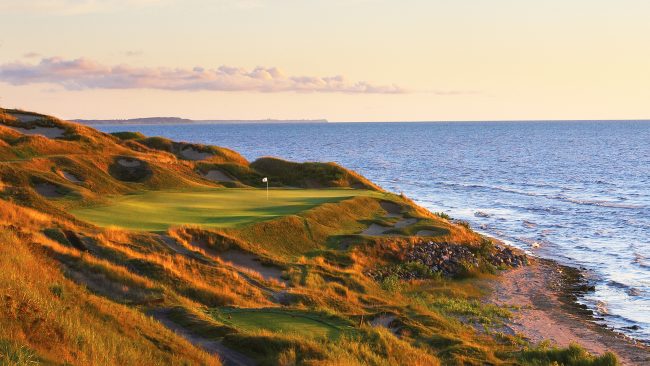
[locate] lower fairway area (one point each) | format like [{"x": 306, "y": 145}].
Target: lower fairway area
[
  {"x": 227, "y": 207},
  {"x": 310, "y": 325}
]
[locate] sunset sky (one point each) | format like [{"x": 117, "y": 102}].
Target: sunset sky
[{"x": 344, "y": 60}]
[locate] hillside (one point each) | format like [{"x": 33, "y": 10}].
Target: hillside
[{"x": 125, "y": 249}]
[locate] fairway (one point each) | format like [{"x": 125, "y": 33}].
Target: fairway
[
  {"x": 283, "y": 321},
  {"x": 221, "y": 207}
]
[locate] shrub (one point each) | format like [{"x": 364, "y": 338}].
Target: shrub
[
  {"x": 13, "y": 354},
  {"x": 127, "y": 135},
  {"x": 442, "y": 215},
  {"x": 574, "y": 355},
  {"x": 391, "y": 283}
]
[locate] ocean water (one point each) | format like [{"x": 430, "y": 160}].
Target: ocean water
[{"x": 577, "y": 192}]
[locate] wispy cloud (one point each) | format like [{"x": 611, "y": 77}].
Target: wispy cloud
[
  {"x": 80, "y": 7},
  {"x": 82, "y": 73},
  {"x": 69, "y": 7},
  {"x": 31, "y": 55},
  {"x": 133, "y": 53}
]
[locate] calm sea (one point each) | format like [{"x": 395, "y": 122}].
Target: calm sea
[{"x": 579, "y": 190}]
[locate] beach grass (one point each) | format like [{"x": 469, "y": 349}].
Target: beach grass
[{"x": 159, "y": 210}]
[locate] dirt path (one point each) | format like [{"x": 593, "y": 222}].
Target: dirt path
[
  {"x": 228, "y": 356},
  {"x": 546, "y": 312}
]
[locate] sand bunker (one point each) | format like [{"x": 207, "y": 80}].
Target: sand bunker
[
  {"x": 129, "y": 163},
  {"x": 218, "y": 176},
  {"x": 191, "y": 153},
  {"x": 425, "y": 233},
  {"x": 130, "y": 169},
  {"x": 48, "y": 190},
  {"x": 405, "y": 222},
  {"x": 375, "y": 229},
  {"x": 71, "y": 177},
  {"x": 250, "y": 261},
  {"x": 385, "y": 321},
  {"x": 49, "y": 132},
  {"x": 393, "y": 209},
  {"x": 25, "y": 117}
]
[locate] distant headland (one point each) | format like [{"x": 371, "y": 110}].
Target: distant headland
[{"x": 178, "y": 120}]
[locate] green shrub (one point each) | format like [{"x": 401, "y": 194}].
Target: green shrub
[
  {"x": 442, "y": 215},
  {"x": 57, "y": 290},
  {"x": 12, "y": 354},
  {"x": 574, "y": 355},
  {"x": 391, "y": 283},
  {"x": 128, "y": 135}
]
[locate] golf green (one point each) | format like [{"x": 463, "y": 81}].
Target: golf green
[
  {"x": 306, "y": 324},
  {"x": 221, "y": 207}
]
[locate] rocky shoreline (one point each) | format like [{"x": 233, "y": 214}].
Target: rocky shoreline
[
  {"x": 426, "y": 259},
  {"x": 546, "y": 295}
]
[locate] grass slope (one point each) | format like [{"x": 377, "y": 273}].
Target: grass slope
[
  {"x": 159, "y": 210},
  {"x": 77, "y": 294}
]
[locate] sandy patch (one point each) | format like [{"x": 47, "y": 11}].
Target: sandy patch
[
  {"x": 180, "y": 249},
  {"x": 47, "y": 190},
  {"x": 384, "y": 321},
  {"x": 406, "y": 222},
  {"x": 129, "y": 163},
  {"x": 546, "y": 313},
  {"x": 218, "y": 176},
  {"x": 71, "y": 177},
  {"x": 24, "y": 117},
  {"x": 425, "y": 233},
  {"x": 250, "y": 261},
  {"x": 393, "y": 209},
  {"x": 375, "y": 229},
  {"x": 49, "y": 132},
  {"x": 191, "y": 153}
]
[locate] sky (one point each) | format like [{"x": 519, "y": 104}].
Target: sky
[{"x": 343, "y": 60}]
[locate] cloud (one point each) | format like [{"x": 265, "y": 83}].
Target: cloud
[
  {"x": 69, "y": 7},
  {"x": 31, "y": 55},
  {"x": 133, "y": 53},
  {"x": 83, "y": 73},
  {"x": 79, "y": 7}
]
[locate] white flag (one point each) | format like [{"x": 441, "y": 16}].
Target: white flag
[{"x": 265, "y": 179}]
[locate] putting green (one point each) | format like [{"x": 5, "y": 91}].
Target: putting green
[
  {"x": 221, "y": 207},
  {"x": 283, "y": 321}
]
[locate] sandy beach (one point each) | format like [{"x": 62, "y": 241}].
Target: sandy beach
[{"x": 545, "y": 294}]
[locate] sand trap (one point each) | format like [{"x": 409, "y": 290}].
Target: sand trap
[
  {"x": 250, "y": 261},
  {"x": 24, "y": 117},
  {"x": 384, "y": 321},
  {"x": 406, "y": 222},
  {"x": 129, "y": 163},
  {"x": 425, "y": 233},
  {"x": 71, "y": 177},
  {"x": 393, "y": 209},
  {"x": 48, "y": 190},
  {"x": 375, "y": 229},
  {"x": 191, "y": 153},
  {"x": 49, "y": 132},
  {"x": 218, "y": 176}
]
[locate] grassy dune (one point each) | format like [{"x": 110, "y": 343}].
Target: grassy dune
[
  {"x": 159, "y": 210},
  {"x": 113, "y": 251}
]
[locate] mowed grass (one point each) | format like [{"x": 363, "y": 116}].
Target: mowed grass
[
  {"x": 221, "y": 207},
  {"x": 305, "y": 324}
]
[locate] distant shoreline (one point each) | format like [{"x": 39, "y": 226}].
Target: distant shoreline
[
  {"x": 162, "y": 121},
  {"x": 183, "y": 121}
]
